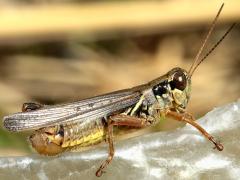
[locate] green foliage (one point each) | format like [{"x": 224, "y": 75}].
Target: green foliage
[{"x": 14, "y": 141}]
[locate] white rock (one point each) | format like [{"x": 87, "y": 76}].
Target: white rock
[{"x": 180, "y": 154}]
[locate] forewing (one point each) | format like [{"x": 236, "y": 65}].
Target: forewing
[{"x": 85, "y": 110}]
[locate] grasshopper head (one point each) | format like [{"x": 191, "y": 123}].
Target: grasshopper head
[
  {"x": 180, "y": 87},
  {"x": 173, "y": 89}
]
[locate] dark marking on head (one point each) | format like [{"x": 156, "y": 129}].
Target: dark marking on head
[{"x": 160, "y": 89}]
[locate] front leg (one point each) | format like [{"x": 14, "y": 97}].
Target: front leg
[
  {"x": 118, "y": 120},
  {"x": 188, "y": 118}
]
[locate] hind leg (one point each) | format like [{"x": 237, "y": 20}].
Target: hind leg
[{"x": 26, "y": 107}]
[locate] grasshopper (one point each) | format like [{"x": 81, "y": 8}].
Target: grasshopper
[{"x": 58, "y": 128}]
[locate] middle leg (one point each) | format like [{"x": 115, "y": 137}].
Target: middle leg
[{"x": 118, "y": 120}]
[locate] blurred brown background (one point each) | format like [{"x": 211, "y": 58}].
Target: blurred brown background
[{"x": 61, "y": 51}]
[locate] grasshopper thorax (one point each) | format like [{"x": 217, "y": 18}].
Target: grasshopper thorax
[{"x": 174, "y": 90}]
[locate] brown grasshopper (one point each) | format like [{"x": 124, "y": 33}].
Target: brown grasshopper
[{"x": 90, "y": 121}]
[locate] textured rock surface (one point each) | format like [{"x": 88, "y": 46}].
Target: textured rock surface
[{"x": 179, "y": 154}]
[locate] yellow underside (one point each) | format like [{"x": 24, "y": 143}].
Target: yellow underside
[{"x": 95, "y": 137}]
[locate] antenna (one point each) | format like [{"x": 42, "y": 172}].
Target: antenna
[
  {"x": 196, "y": 59},
  {"x": 213, "y": 48}
]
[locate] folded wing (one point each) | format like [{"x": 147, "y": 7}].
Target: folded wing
[{"x": 81, "y": 111}]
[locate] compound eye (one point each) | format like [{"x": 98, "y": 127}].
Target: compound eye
[{"x": 179, "y": 81}]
